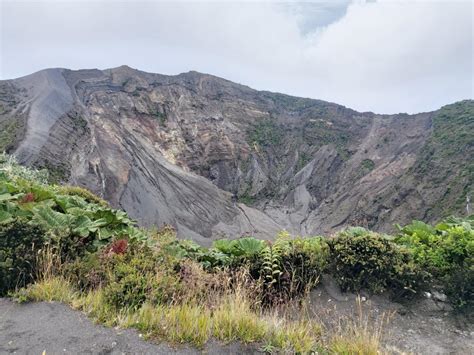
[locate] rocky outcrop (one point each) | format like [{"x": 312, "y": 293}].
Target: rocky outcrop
[{"x": 214, "y": 158}]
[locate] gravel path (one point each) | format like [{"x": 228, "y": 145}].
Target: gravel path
[{"x": 57, "y": 329}]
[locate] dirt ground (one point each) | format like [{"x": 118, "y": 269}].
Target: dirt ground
[
  {"x": 422, "y": 327},
  {"x": 57, "y": 329}
]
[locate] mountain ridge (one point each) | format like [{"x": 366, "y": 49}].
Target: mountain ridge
[{"x": 214, "y": 158}]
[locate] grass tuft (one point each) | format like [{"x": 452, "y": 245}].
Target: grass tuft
[
  {"x": 358, "y": 334},
  {"x": 51, "y": 289},
  {"x": 299, "y": 337},
  {"x": 234, "y": 320}
]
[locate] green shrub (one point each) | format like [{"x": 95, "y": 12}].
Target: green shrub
[
  {"x": 439, "y": 249},
  {"x": 19, "y": 246},
  {"x": 364, "y": 260},
  {"x": 136, "y": 276},
  {"x": 459, "y": 287},
  {"x": 75, "y": 219},
  {"x": 129, "y": 272},
  {"x": 446, "y": 252},
  {"x": 81, "y": 192},
  {"x": 289, "y": 267},
  {"x": 368, "y": 164},
  {"x": 166, "y": 286},
  {"x": 304, "y": 264},
  {"x": 128, "y": 289},
  {"x": 89, "y": 272}
]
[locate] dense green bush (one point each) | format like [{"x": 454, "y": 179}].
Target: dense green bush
[
  {"x": 123, "y": 271},
  {"x": 129, "y": 273},
  {"x": 291, "y": 267},
  {"x": 364, "y": 260},
  {"x": 446, "y": 252},
  {"x": 74, "y": 218},
  {"x": 88, "y": 272},
  {"x": 136, "y": 277},
  {"x": 305, "y": 262},
  {"x": 459, "y": 287},
  {"x": 81, "y": 192},
  {"x": 128, "y": 287},
  {"x": 19, "y": 246},
  {"x": 440, "y": 249}
]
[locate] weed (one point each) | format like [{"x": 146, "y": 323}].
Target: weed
[
  {"x": 358, "y": 334},
  {"x": 49, "y": 289}
]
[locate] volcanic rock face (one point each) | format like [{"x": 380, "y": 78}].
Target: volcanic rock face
[{"x": 214, "y": 158}]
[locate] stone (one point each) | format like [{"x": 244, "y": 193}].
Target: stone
[{"x": 439, "y": 296}]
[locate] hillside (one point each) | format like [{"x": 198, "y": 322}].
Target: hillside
[{"x": 214, "y": 158}]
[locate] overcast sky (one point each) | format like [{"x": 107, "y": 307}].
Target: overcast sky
[{"x": 382, "y": 56}]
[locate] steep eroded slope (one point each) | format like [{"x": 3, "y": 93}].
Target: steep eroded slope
[{"x": 196, "y": 151}]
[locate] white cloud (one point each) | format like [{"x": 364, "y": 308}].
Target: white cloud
[{"x": 388, "y": 56}]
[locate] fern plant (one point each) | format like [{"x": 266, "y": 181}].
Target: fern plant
[{"x": 271, "y": 263}]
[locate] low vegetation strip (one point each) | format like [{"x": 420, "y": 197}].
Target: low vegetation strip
[{"x": 61, "y": 243}]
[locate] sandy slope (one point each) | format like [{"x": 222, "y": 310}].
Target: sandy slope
[{"x": 50, "y": 98}]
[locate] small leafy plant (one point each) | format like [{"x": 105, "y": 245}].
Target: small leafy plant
[{"x": 365, "y": 260}]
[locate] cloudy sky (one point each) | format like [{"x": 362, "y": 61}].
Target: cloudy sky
[{"x": 383, "y": 56}]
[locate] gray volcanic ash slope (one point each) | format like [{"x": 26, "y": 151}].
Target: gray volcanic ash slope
[{"x": 214, "y": 158}]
